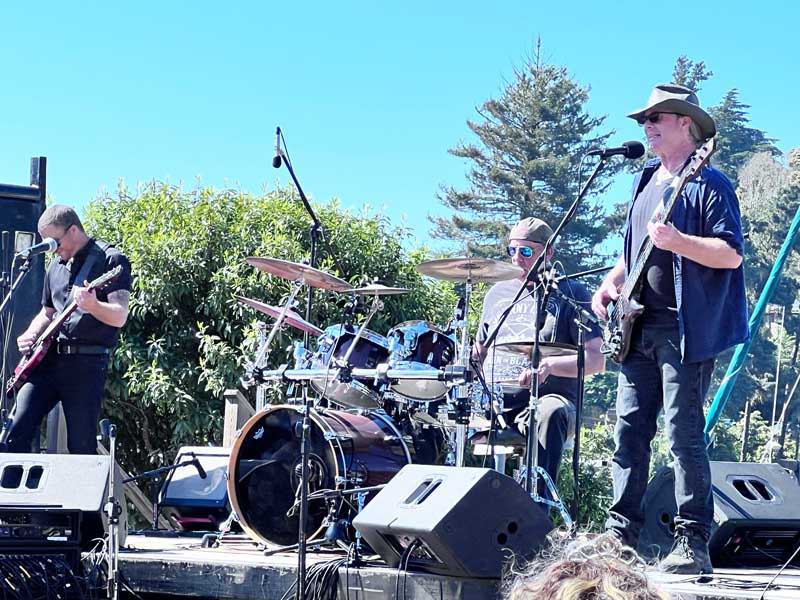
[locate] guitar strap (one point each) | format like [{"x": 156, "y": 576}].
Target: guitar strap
[{"x": 82, "y": 276}]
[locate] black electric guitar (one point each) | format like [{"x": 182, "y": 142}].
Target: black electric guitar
[{"x": 623, "y": 312}]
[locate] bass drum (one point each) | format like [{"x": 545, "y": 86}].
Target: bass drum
[{"x": 346, "y": 451}]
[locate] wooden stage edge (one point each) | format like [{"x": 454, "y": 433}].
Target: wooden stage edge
[{"x": 169, "y": 566}]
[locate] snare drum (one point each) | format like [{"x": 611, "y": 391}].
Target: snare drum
[
  {"x": 346, "y": 450},
  {"x": 371, "y": 350},
  {"x": 416, "y": 345}
]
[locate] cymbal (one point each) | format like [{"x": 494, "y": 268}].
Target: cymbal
[
  {"x": 294, "y": 271},
  {"x": 291, "y": 317},
  {"x": 377, "y": 289},
  {"x": 475, "y": 269},
  {"x": 545, "y": 348}
]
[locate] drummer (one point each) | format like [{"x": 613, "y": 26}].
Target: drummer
[{"x": 557, "y": 374}]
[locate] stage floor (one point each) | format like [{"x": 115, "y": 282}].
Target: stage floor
[{"x": 181, "y": 567}]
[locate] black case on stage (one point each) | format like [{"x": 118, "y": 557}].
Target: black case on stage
[{"x": 465, "y": 521}]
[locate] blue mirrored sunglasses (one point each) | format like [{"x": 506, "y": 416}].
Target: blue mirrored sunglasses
[{"x": 523, "y": 250}]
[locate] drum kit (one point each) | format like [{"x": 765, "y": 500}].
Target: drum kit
[{"x": 371, "y": 393}]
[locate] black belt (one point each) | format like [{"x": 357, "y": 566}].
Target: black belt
[{"x": 64, "y": 348}]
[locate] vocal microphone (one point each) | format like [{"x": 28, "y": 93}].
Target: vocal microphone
[
  {"x": 46, "y": 245},
  {"x": 276, "y": 162},
  {"x": 630, "y": 149},
  {"x": 200, "y": 470}
]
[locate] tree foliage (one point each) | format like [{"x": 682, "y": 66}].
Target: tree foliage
[
  {"x": 187, "y": 337},
  {"x": 530, "y": 143}
]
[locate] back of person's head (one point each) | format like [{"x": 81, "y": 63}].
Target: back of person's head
[
  {"x": 60, "y": 215},
  {"x": 591, "y": 567}
]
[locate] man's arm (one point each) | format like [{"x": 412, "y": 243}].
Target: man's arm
[
  {"x": 39, "y": 323},
  {"x": 609, "y": 289},
  {"x": 711, "y": 252},
  {"x": 113, "y": 312}
]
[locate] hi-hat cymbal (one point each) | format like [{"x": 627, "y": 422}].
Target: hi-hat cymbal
[
  {"x": 475, "y": 269},
  {"x": 377, "y": 289},
  {"x": 291, "y": 317},
  {"x": 294, "y": 271},
  {"x": 545, "y": 348}
]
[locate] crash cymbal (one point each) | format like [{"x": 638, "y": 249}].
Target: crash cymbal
[
  {"x": 291, "y": 317},
  {"x": 545, "y": 348},
  {"x": 475, "y": 269},
  {"x": 294, "y": 271},
  {"x": 377, "y": 289}
]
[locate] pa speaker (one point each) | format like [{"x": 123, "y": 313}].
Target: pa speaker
[
  {"x": 460, "y": 521},
  {"x": 33, "y": 484},
  {"x": 756, "y": 517},
  {"x": 197, "y": 499}
]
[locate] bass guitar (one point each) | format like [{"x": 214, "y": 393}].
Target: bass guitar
[{"x": 623, "y": 312}]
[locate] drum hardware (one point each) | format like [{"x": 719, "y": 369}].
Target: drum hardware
[
  {"x": 290, "y": 318},
  {"x": 260, "y": 360},
  {"x": 419, "y": 345}
]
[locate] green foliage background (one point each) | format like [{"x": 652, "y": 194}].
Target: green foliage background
[{"x": 187, "y": 337}]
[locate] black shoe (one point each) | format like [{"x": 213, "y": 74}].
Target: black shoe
[{"x": 689, "y": 555}]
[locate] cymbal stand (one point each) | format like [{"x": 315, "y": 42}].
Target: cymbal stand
[
  {"x": 344, "y": 362},
  {"x": 459, "y": 396},
  {"x": 260, "y": 360}
]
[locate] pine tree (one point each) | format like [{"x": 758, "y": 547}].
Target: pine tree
[
  {"x": 525, "y": 163},
  {"x": 736, "y": 142},
  {"x": 690, "y": 74}
]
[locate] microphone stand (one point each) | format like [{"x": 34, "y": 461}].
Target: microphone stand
[
  {"x": 315, "y": 230},
  {"x": 532, "y": 448},
  {"x": 8, "y": 302}
]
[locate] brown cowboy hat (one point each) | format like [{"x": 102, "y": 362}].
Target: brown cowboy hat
[{"x": 673, "y": 98}]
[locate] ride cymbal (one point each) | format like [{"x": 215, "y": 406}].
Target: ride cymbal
[
  {"x": 545, "y": 348},
  {"x": 294, "y": 271},
  {"x": 462, "y": 268},
  {"x": 291, "y": 317}
]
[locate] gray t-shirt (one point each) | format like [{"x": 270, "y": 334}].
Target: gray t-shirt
[
  {"x": 651, "y": 197},
  {"x": 558, "y": 326}
]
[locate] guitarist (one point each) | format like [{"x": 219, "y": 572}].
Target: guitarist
[
  {"x": 74, "y": 370},
  {"x": 692, "y": 289}
]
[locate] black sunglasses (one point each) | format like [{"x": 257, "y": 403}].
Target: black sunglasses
[
  {"x": 523, "y": 250},
  {"x": 654, "y": 117}
]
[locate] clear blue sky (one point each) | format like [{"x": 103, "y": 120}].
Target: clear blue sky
[{"x": 370, "y": 95}]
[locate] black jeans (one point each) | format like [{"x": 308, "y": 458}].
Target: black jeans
[
  {"x": 77, "y": 381},
  {"x": 653, "y": 377}
]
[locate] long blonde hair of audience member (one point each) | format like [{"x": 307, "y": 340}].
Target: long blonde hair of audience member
[{"x": 588, "y": 568}]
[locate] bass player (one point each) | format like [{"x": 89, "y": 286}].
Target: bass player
[
  {"x": 73, "y": 371},
  {"x": 692, "y": 290}
]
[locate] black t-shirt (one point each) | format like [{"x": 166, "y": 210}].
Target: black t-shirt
[
  {"x": 558, "y": 326},
  {"x": 83, "y": 328}
]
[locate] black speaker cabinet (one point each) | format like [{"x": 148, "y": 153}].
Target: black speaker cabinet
[
  {"x": 461, "y": 521},
  {"x": 194, "y": 503},
  {"x": 33, "y": 486},
  {"x": 756, "y": 515}
]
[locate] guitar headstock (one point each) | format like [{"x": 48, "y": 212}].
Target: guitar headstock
[
  {"x": 105, "y": 279},
  {"x": 700, "y": 158}
]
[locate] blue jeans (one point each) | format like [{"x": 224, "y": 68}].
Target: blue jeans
[
  {"x": 78, "y": 382},
  {"x": 652, "y": 377}
]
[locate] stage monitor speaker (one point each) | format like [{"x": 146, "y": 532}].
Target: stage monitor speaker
[
  {"x": 461, "y": 521},
  {"x": 32, "y": 484},
  {"x": 192, "y": 502},
  {"x": 756, "y": 516}
]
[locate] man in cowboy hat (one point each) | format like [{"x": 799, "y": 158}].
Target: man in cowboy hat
[{"x": 692, "y": 289}]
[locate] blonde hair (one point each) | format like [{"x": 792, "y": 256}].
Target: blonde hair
[{"x": 592, "y": 567}]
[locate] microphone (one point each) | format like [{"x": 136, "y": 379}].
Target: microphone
[
  {"x": 200, "y": 470},
  {"x": 46, "y": 245},
  {"x": 631, "y": 149},
  {"x": 276, "y": 162}
]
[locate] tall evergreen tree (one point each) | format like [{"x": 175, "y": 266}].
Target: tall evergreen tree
[
  {"x": 736, "y": 141},
  {"x": 691, "y": 74},
  {"x": 525, "y": 163}
]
